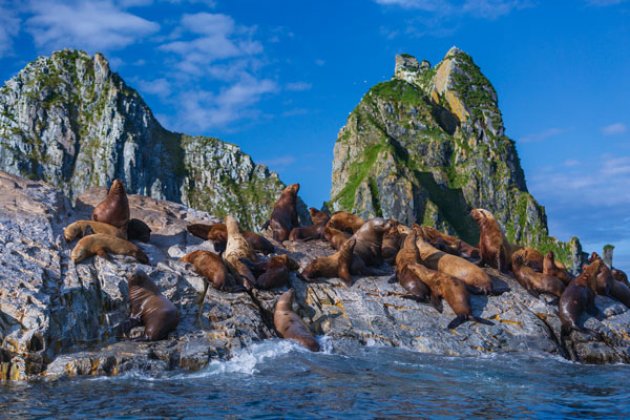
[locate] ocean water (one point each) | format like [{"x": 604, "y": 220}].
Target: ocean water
[{"x": 279, "y": 379}]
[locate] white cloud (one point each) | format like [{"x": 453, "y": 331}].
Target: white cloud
[
  {"x": 613, "y": 129},
  {"x": 604, "y": 2},
  {"x": 91, "y": 25},
  {"x": 298, "y": 86},
  {"x": 160, "y": 87},
  {"x": 543, "y": 135},
  {"x": 9, "y": 27},
  {"x": 279, "y": 162},
  {"x": 487, "y": 9}
]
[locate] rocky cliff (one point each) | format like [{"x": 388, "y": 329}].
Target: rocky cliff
[
  {"x": 69, "y": 120},
  {"x": 429, "y": 145},
  {"x": 60, "y": 319}
]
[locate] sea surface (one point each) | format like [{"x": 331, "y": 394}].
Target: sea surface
[{"x": 279, "y": 379}]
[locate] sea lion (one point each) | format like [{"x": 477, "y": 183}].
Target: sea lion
[
  {"x": 101, "y": 244},
  {"x": 369, "y": 241},
  {"x": 137, "y": 230},
  {"x": 289, "y": 325},
  {"x": 408, "y": 255},
  {"x": 493, "y": 245},
  {"x": 337, "y": 265},
  {"x": 276, "y": 272},
  {"x": 150, "y": 308},
  {"x": 451, "y": 289},
  {"x": 258, "y": 242},
  {"x": 392, "y": 240},
  {"x": 238, "y": 248},
  {"x": 336, "y": 237},
  {"x": 551, "y": 268},
  {"x": 603, "y": 281},
  {"x": 451, "y": 244},
  {"x": 315, "y": 231},
  {"x": 209, "y": 265},
  {"x": 114, "y": 210},
  {"x": 576, "y": 298},
  {"x": 533, "y": 281},
  {"x": 620, "y": 276},
  {"x": 531, "y": 258},
  {"x": 318, "y": 217},
  {"x": 81, "y": 228},
  {"x": 347, "y": 222},
  {"x": 284, "y": 215},
  {"x": 474, "y": 277},
  {"x": 217, "y": 233}
]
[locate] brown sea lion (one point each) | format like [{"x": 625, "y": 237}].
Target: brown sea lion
[
  {"x": 603, "y": 280},
  {"x": 621, "y": 292},
  {"x": 408, "y": 255},
  {"x": 114, "y": 210},
  {"x": 451, "y": 289},
  {"x": 551, "y": 268},
  {"x": 101, "y": 244},
  {"x": 344, "y": 221},
  {"x": 80, "y": 228},
  {"x": 289, "y": 325},
  {"x": 369, "y": 241},
  {"x": 258, "y": 242},
  {"x": 150, "y": 308},
  {"x": 307, "y": 233},
  {"x": 336, "y": 237},
  {"x": 237, "y": 248},
  {"x": 531, "y": 258},
  {"x": 493, "y": 245},
  {"x": 620, "y": 276},
  {"x": 474, "y": 277},
  {"x": 533, "y": 281},
  {"x": 337, "y": 265},
  {"x": 284, "y": 215},
  {"x": 318, "y": 217},
  {"x": 137, "y": 230},
  {"x": 451, "y": 244},
  {"x": 217, "y": 233},
  {"x": 577, "y": 298},
  {"x": 392, "y": 240},
  {"x": 211, "y": 266},
  {"x": 276, "y": 272}
]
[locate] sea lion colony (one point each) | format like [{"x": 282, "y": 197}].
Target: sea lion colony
[{"x": 430, "y": 265}]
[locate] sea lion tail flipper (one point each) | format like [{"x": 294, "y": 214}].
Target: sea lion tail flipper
[
  {"x": 129, "y": 324},
  {"x": 459, "y": 320},
  {"x": 482, "y": 320},
  {"x": 392, "y": 279},
  {"x": 436, "y": 302}
]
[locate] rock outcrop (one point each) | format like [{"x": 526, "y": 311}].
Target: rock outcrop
[
  {"x": 60, "y": 319},
  {"x": 428, "y": 146},
  {"x": 69, "y": 120}
]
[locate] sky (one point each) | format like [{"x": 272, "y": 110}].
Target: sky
[{"x": 279, "y": 79}]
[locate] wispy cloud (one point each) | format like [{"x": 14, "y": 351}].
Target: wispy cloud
[
  {"x": 486, "y": 9},
  {"x": 279, "y": 162},
  {"x": 9, "y": 27},
  {"x": 298, "y": 86},
  {"x": 159, "y": 87},
  {"x": 543, "y": 135},
  {"x": 91, "y": 25},
  {"x": 613, "y": 129},
  {"x": 603, "y": 3}
]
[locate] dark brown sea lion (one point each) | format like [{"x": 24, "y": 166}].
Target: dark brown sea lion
[
  {"x": 577, "y": 298},
  {"x": 603, "y": 280},
  {"x": 217, "y": 233},
  {"x": 531, "y": 258},
  {"x": 101, "y": 244},
  {"x": 258, "y": 242},
  {"x": 276, "y": 272},
  {"x": 450, "y": 244},
  {"x": 451, "y": 289},
  {"x": 150, "y": 308},
  {"x": 533, "y": 281},
  {"x": 551, "y": 268},
  {"x": 137, "y": 230},
  {"x": 80, "y": 228},
  {"x": 336, "y": 237},
  {"x": 211, "y": 266},
  {"x": 318, "y": 217},
  {"x": 114, "y": 210},
  {"x": 620, "y": 276},
  {"x": 344, "y": 221},
  {"x": 237, "y": 249},
  {"x": 474, "y": 277},
  {"x": 392, "y": 240},
  {"x": 493, "y": 246},
  {"x": 369, "y": 241},
  {"x": 289, "y": 325},
  {"x": 284, "y": 215},
  {"x": 408, "y": 255},
  {"x": 315, "y": 231},
  {"x": 337, "y": 265}
]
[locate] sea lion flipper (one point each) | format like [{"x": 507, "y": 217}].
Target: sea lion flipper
[
  {"x": 102, "y": 253},
  {"x": 482, "y": 320},
  {"x": 459, "y": 319},
  {"x": 436, "y": 302}
]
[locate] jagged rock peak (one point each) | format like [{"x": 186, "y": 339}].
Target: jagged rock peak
[{"x": 69, "y": 120}]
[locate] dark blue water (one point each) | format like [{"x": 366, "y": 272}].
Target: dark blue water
[{"x": 277, "y": 379}]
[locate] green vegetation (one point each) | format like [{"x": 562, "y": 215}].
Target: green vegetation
[{"x": 399, "y": 91}]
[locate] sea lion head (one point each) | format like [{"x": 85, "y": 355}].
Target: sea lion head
[
  {"x": 293, "y": 188},
  {"x": 318, "y": 217},
  {"x": 79, "y": 253},
  {"x": 592, "y": 269},
  {"x": 117, "y": 187},
  {"x": 403, "y": 230},
  {"x": 550, "y": 255},
  {"x": 594, "y": 256},
  {"x": 231, "y": 225}
]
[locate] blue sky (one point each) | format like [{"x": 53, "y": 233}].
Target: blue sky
[{"x": 279, "y": 78}]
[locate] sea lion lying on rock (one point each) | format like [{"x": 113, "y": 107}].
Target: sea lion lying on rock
[
  {"x": 316, "y": 231},
  {"x": 274, "y": 272},
  {"x": 284, "y": 215},
  {"x": 577, "y": 298},
  {"x": 603, "y": 282},
  {"x": 337, "y": 265},
  {"x": 552, "y": 269},
  {"x": 451, "y": 289},
  {"x": 137, "y": 230},
  {"x": 344, "y": 221},
  {"x": 531, "y": 258},
  {"x": 336, "y": 237},
  {"x": 289, "y": 325},
  {"x": 620, "y": 276},
  {"x": 150, "y": 308},
  {"x": 217, "y": 233},
  {"x": 209, "y": 265},
  {"x": 82, "y": 228},
  {"x": 451, "y": 244},
  {"x": 408, "y": 255},
  {"x": 114, "y": 210},
  {"x": 493, "y": 245},
  {"x": 474, "y": 277},
  {"x": 101, "y": 244},
  {"x": 392, "y": 240},
  {"x": 369, "y": 240},
  {"x": 533, "y": 281}
]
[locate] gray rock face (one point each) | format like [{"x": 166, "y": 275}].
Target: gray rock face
[
  {"x": 59, "y": 319},
  {"x": 69, "y": 120},
  {"x": 428, "y": 146}
]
